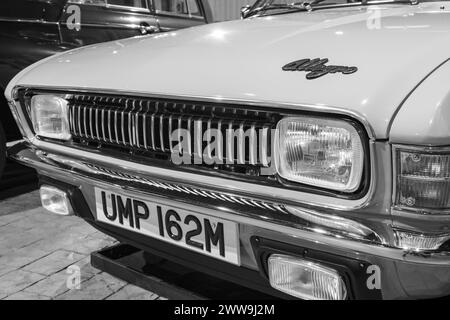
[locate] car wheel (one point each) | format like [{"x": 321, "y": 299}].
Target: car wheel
[{"x": 2, "y": 150}]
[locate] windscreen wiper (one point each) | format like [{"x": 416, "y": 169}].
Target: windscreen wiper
[
  {"x": 308, "y": 5},
  {"x": 269, "y": 7}
]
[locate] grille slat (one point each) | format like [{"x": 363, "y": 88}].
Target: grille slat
[
  {"x": 109, "y": 126},
  {"x": 91, "y": 123},
  {"x": 153, "y": 132},
  {"x": 72, "y": 120},
  {"x": 130, "y": 125},
  {"x": 79, "y": 121},
  {"x": 169, "y": 132},
  {"x": 146, "y": 125},
  {"x": 116, "y": 129},
  {"x": 189, "y": 128},
  {"x": 97, "y": 133},
  {"x": 103, "y": 125},
  {"x": 85, "y": 122},
  {"x": 161, "y": 132}
]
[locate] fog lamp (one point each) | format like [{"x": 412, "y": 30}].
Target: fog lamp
[
  {"x": 55, "y": 201},
  {"x": 305, "y": 279},
  {"x": 50, "y": 117},
  {"x": 419, "y": 242}
]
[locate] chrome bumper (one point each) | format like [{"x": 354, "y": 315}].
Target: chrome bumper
[{"x": 259, "y": 217}]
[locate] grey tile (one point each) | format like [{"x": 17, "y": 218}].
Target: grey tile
[
  {"x": 99, "y": 287},
  {"x": 57, "y": 283},
  {"x": 15, "y": 237},
  {"x": 131, "y": 292},
  {"x": 86, "y": 269},
  {"x": 21, "y": 257},
  {"x": 51, "y": 286},
  {"x": 8, "y": 231},
  {"x": 20, "y": 203},
  {"x": 10, "y": 218},
  {"x": 87, "y": 245},
  {"x": 18, "y": 280},
  {"x": 4, "y": 269},
  {"x": 54, "y": 262},
  {"x": 101, "y": 236},
  {"x": 112, "y": 282},
  {"x": 22, "y": 295}
]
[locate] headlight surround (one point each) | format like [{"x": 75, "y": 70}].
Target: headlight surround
[
  {"x": 320, "y": 152},
  {"x": 50, "y": 117},
  {"x": 422, "y": 180}
]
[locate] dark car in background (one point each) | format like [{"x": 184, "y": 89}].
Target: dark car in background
[{"x": 31, "y": 30}]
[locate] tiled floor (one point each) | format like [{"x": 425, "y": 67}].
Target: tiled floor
[{"x": 44, "y": 256}]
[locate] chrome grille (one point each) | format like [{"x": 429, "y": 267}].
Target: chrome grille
[{"x": 141, "y": 124}]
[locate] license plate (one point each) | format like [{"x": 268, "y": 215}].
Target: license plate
[{"x": 208, "y": 235}]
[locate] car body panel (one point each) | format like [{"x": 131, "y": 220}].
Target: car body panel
[
  {"x": 223, "y": 60},
  {"x": 425, "y": 116}
]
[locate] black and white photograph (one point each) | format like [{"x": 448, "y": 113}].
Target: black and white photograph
[{"x": 219, "y": 157}]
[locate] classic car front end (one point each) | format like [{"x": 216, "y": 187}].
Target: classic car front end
[{"x": 330, "y": 177}]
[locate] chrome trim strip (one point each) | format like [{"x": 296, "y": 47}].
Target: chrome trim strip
[
  {"x": 127, "y": 8},
  {"x": 13, "y": 143},
  {"x": 179, "y": 15},
  {"x": 115, "y": 6},
  {"x": 4, "y": 19},
  {"x": 348, "y": 226}
]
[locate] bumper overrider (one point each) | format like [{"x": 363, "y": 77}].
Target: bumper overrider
[{"x": 352, "y": 242}]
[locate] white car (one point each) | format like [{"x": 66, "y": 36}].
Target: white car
[{"x": 302, "y": 151}]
